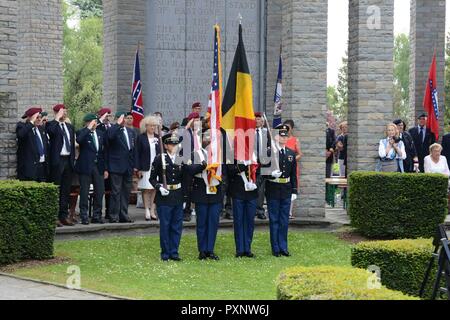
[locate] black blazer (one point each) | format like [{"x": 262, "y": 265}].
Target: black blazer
[
  {"x": 27, "y": 151},
  {"x": 119, "y": 158},
  {"x": 89, "y": 157},
  {"x": 410, "y": 149},
  {"x": 55, "y": 133},
  {"x": 422, "y": 148},
  {"x": 142, "y": 154},
  {"x": 288, "y": 165},
  {"x": 330, "y": 143},
  {"x": 236, "y": 187},
  {"x": 446, "y": 147}
]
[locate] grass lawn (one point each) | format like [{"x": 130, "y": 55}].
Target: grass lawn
[{"x": 130, "y": 266}]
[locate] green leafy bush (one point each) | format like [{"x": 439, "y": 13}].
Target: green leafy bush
[
  {"x": 396, "y": 205},
  {"x": 28, "y": 212},
  {"x": 331, "y": 283},
  {"x": 402, "y": 262}
]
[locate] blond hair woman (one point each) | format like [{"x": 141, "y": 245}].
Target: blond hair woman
[
  {"x": 147, "y": 148},
  {"x": 391, "y": 151}
]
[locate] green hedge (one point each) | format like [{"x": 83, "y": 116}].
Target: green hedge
[
  {"x": 395, "y": 205},
  {"x": 28, "y": 211},
  {"x": 331, "y": 283},
  {"x": 402, "y": 262}
]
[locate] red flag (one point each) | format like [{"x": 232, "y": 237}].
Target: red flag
[
  {"x": 431, "y": 100},
  {"x": 137, "y": 106}
]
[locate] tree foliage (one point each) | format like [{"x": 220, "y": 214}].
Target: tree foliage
[
  {"x": 89, "y": 8},
  {"x": 401, "y": 76},
  {"x": 337, "y": 96}
]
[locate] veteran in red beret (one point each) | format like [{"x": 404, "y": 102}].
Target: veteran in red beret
[{"x": 104, "y": 119}]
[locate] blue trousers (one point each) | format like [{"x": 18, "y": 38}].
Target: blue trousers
[
  {"x": 170, "y": 229},
  {"x": 244, "y": 212},
  {"x": 208, "y": 216},
  {"x": 279, "y": 222}
]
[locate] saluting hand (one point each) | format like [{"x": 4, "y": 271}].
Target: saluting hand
[
  {"x": 59, "y": 115},
  {"x": 33, "y": 118},
  {"x": 91, "y": 126},
  {"x": 121, "y": 120}
]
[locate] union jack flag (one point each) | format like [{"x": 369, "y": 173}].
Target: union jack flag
[{"x": 137, "y": 107}]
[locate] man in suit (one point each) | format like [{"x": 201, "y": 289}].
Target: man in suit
[
  {"x": 104, "y": 123},
  {"x": 262, "y": 142},
  {"x": 120, "y": 164},
  {"x": 62, "y": 159},
  {"x": 330, "y": 147},
  {"x": 423, "y": 138},
  {"x": 32, "y": 151},
  {"x": 281, "y": 189},
  {"x": 90, "y": 167}
]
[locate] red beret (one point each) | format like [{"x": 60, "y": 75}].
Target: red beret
[
  {"x": 196, "y": 105},
  {"x": 58, "y": 107},
  {"x": 194, "y": 115},
  {"x": 102, "y": 111},
  {"x": 258, "y": 114},
  {"x": 31, "y": 111}
]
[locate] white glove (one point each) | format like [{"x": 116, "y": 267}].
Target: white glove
[
  {"x": 250, "y": 186},
  {"x": 293, "y": 197},
  {"x": 164, "y": 192},
  {"x": 416, "y": 167},
  {"x": 276, "y": 174}
]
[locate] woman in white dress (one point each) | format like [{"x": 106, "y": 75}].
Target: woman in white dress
[
  {"x": 435, "y": 163},
  {"x": 147, "y": 148}
]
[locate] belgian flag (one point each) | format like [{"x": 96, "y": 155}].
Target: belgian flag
[{"x": 237, "y": 106}]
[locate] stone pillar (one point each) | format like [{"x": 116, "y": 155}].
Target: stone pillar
[
  {"x": 124, "y": 28},
  {"x": 40, "y": 43},
  {"x": 305, "y": 86},
  {"x": 8, "y": 87},
  {"x": 426, "y": 34},
  {"x": 370, "y": 72}
]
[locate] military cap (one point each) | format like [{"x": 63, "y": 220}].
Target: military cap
[
  {"x": 31, "y": 111},
  {"x": 171, "y": 138},
  {"x": 89, "y": 117}
]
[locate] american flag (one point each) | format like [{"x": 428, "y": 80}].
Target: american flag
[
  {"x": 277, "y": 97},
  {"x": 431, "y": 100},
  {"x": 137, "y": 107},
  {"x": 215, "y": 111}
]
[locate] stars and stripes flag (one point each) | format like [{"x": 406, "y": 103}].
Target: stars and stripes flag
[
  {"x": 277, "y": 98},
  {"x": 137, "y": 106},
  {"x": 214, "y": 169},
  {"x": 431, "y": 101}
]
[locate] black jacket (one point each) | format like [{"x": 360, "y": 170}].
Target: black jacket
[
  {"x": 142, "y": 154},
  {"x": 174, "y": 174},
  {"x": 120, "y": 159},
  {"x": 89, "y": 157},
  {"x": 446, "y": 147},
  {"x": 236, "y": 186},
  {"x": 330, "y": 143},
  {"x": 55, "y": 133},
  {"x": 27, "y": 150},
  {"x": 281, "y": 191},
  {"x": 410, "y": 149},
  {"x": 422, "y": 147}
]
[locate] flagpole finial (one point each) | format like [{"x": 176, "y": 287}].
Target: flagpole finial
[{"x": 240, "y": 18}]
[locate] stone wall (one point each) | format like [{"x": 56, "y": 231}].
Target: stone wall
[
  {"x": 370, "y": 71},
  {"x": 427, "y": 33},
  {"x": 305, "y": 86}
]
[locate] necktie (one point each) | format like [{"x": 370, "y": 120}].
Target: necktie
[
  {"x": 66, "y": 138},
  {"x": 94, "y": 140},
  {"x": 126, "y": 138},
  {"x": 39, "y": 144},
  {"x": 422, "y": 134},
  {"x": 258, "y": 144}
]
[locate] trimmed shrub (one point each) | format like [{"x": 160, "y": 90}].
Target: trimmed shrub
[
  {"x": 402, "y": 262},
  {"x": 331, "y": 283},
  {"x": 28, "y": 211},
  {"x": 396, "y": 205}
]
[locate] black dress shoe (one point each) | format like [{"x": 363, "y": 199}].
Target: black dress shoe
[
  {"x": 85, "y": 222},
  {"x": 261, "y": 216},
  {"x": 175, "y": 258},
  {"x": 164, "y": 259},
  {"x": 276, "y": 254},
  {"x": 113, "y": 221},
  {"x": 285, "y": 253},
  {"x": 228, "y": 216},
  {"x": 213, "y": 256},
  {"x": 97, "y": 221},
  {"x": 126, "y": 221},
  {"x": 249, "y": 255},
  {"x": 239, "y": 255},
  {"x": 202, "y": 256},
  {"x": 187, "y": 218}
]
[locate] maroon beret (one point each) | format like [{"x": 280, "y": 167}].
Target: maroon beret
[
  {"x": 58, "y": 107},
  {"x": 194, "y": 115},
  {"x": 196, "y": 105},
  {"x": 31, "y": 111},
  {"x": 258, "y": 114},
  {"x": 104, "y": 110}
]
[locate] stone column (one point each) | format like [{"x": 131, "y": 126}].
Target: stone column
[
  {"x": 427, "y": 33},
  {"x": 40, "y": 43},
  {"x": 124, "y": 28},
  {"x": 370, "y": 72},
  {"x": 305, "y": 86},
  {"x": 8, "y": 87}
]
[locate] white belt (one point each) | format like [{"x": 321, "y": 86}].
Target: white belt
[
  {"x": 173, "y": 186},
  {"x": 281, "y": 180},
  {"x": 199, "y": 175}
]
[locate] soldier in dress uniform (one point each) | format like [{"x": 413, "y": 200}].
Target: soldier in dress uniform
[
  {"x": 244, "y": 194},
  {"x": 168, "y": 168},
  {"x": 208, "y": 201},
  {"x": 281, "y": 189}
]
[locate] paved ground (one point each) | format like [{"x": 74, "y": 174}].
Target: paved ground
[{"x": 18, "y": 289}]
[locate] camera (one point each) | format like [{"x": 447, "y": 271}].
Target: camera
[{"x": 396, "y": 139}]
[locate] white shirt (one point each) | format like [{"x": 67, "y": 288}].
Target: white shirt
[
  {"x": 152, "y": 141},
  {"x": 127, "y": 138},
  {"x": 65, "y": 151},
  {"x": 38, "y": 133},
  {"x": 440, "y": 167},
  {"x": 382, "y": 150}
]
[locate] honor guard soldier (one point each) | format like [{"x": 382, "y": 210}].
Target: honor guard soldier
[
  {"x": 281, "y": 189},
  {"x": 208, "y": 199},
  {"x": 166, "y": 176},
  {"x": 244, "y": 194}
]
